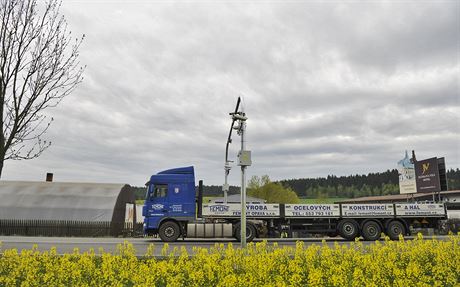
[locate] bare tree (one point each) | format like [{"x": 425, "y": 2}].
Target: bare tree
[{"x": 38, "y": 67}]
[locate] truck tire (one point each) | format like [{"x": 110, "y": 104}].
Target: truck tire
[
  {"x": 371, "y": 231},
  {"x": 250, "y": 232},
  {"x": 394, "y": 229},
  {"x": 348, "y": 229},
  {"x": 169, "y": 231}
]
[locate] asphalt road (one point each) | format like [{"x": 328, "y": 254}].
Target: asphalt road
[{"x": 68, "y": 244}]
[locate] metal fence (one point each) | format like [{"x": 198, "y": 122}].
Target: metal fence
[{"x": 64, "y": 228}]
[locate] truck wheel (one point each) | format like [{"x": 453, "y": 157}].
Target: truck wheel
[
  {"x": 371, "y": 231},
  {"x": 395, "y": 228},
  {"x": 250, "y": 232},
  {"x": 169, "y": 231},
  {"x": 348, "y": 229}
]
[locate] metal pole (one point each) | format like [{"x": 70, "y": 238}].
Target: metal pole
[
  {"x": 243, "y": 190},
  {"x": 244, "y": 158},
  {"x": 225, "y": 187}
]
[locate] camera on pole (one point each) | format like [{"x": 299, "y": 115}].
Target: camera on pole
[{"x": 244, "y": 160}]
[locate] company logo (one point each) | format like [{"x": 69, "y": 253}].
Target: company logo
[
  {"x": 218, "y": 208},
  {"x": 425, "y": 167},
  {"x": 176, "y": 207},
  {"x": 158, "y": 206}
]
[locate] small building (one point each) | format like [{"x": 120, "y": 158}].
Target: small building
[{"x": 68, "y": 208}]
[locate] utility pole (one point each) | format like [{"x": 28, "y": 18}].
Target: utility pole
[{"x": 244, "y": 160}]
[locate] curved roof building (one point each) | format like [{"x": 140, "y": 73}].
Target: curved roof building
[{"x": 58, "y": 201}]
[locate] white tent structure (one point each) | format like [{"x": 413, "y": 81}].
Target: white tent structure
[{"x": 58, "y": 201}]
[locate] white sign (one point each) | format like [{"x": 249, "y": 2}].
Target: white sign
[
  {"x": 312, "y": 210},
  {"x": 420, "y": 209},
  {"x": 129, "y": 212},
  {"x": 357, "y": 210},
  {"x": 234, "y": 210},
  {"x": 406, "y": 171}
]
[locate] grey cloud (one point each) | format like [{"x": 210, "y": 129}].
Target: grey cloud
[{"x": 329, "y": 88}]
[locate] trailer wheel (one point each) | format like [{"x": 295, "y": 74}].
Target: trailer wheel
[
  {"x": 250, "y": 232},
  {"x": 371, "y": 231},
  {"x": 169, "y": 231},
  {"x": 348, "y": 229},
  {"x": 395, "y": 228}
]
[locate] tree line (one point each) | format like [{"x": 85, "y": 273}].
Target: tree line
[
  {"x": 351, "y": 186},
  {"x": 372, "y": 184}
]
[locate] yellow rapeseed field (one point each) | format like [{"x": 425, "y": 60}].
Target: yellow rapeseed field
[{"x": 383, "y": 263}]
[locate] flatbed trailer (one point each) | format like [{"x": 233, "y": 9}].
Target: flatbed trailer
[{"x": 174, "y": 209}]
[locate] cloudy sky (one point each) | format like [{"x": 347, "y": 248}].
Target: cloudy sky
[{"x": 329, "y": 88}]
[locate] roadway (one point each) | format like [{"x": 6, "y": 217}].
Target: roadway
[{"x": 68, "y": 244}]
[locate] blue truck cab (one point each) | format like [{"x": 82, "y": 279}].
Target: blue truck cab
[{"x": 170, "y": 201}]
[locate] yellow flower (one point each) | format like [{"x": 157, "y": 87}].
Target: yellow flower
[{"x": 403, "y": 263}]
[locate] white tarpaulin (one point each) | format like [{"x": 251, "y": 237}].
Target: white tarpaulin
[
  {"x": 358, "y": 210},
  {"x": 234, "y": 210},
  {"x": 420, "y": 209},
  {"x": 312, "y": 210}
]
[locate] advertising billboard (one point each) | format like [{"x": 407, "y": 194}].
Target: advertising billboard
[
  {"x": 420, "y": 209},
  {"x": 427, "y": 175},
  {"x": 363, "y": 210},
  {"x": 312, "y": 210},
  {"x": 406, "y": 171},
  {"x": 234, "y": 210}
]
